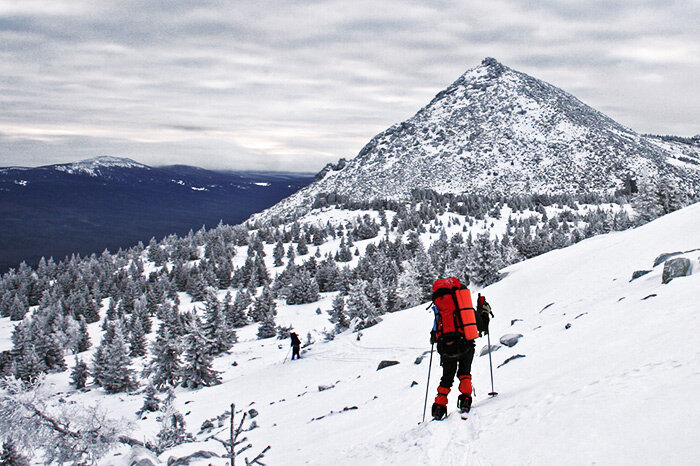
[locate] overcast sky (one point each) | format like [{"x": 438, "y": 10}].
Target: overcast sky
[{"x": 293, "y": 85}]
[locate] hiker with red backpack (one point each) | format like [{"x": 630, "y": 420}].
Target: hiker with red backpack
[{"x": 457, "y": 325}]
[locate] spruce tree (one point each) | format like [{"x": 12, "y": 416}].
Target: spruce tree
[
  {"x": 359, "y": 309},
  {"x": 28, "y": 366},
  {"x": 165, "y": 368},
  {"x": 197, "y": 370},
  {"x": 83, "y": 342},
  {"x": 268, "y": 328},
  {"x": 278, "y": 254},
  {"x": 79, "y": 374},
  {"x": 215, "y": 328},
  {"x": 116, "y": 374},
  {"x": 150, "y": 400},
  {"x": 236, "y": 313},
  {"x": 486, "y": 261},
  {"x": 302, "y": 246},
  {"x": 172, "y": 431},
  {"x": 408, "y": 287},
  {"x": 338, "y": 315},
  {"x": 11, "y": 456},
  {"x": 137, "y": 338},
  {"x": 263, "y": 305}
]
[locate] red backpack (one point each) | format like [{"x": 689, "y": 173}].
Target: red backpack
[{"x": 455, "y": 319}]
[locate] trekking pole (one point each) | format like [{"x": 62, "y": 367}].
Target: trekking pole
[
  {"x": 285, "y": 358},
  {"x": 493, "y": 392},
  {"x": 427, "y": 385}
]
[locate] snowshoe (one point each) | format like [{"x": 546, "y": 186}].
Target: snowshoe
[
  {"x": 464, "y": 403},
  {"x": 439, "y": 411}
]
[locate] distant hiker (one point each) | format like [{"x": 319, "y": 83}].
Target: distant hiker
[
  {"x": 455, "y": 328},
  {"x": 296, "y": 344}
]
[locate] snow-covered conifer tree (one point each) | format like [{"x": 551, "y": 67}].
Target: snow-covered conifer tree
[
  {"x": 268, "y": 328},
  {"x": 263, "y": 305},
  {"x": 358, "y": 307},
  {"x": 79, "y": 374},
  {"x": 197, "y": 370},
  {"x": 408, "y": 288},
  {"x": 338, "y": 315},
  {"x": 215, "y": 328},
  {"x": 116, "y": 375},
  {"x": 278, "y": 254},
  {"x": 165, "y": 368},
  {"x": 83, "y": 342},
  {"x": 236, "y": 313}
]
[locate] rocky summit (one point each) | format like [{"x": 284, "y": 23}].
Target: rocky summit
[{"x": 497, "y": 130}]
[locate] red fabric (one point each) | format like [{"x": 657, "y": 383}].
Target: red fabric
[
  {"x": 465, "y": 384},
  {"x": 441, "y": 397},
  {"x": 451, "y": 282}
]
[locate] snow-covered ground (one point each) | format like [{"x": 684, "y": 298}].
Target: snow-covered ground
[{"x": 610, "y": 373}]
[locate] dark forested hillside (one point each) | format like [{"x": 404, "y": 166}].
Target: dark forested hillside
[{"x": 64, "y": 209}]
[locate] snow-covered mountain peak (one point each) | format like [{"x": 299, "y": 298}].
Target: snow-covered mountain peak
[
  {"x": 498, "y": 130},
  {"x": 93, "y": 166}
]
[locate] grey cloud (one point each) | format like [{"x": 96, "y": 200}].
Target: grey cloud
[{"x": 301, "y": 83}]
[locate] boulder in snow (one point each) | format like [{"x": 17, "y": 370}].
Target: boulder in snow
[
  {"x": 665, "y": 256},
  {"x": 384, "y": 364},
  {"x": 638, "y": 273},
  {"x": 678, "y": 267},
  {"x": 489, "y": 349},
  {"x": 510, "y": 339}
]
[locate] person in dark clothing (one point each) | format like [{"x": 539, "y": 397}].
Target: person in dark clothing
[
  {"x": 296, "y": 344},
  {"x": 455, "y": 328}
]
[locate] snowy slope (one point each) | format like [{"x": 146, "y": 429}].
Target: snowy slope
[{"x": 617, "y": 387}]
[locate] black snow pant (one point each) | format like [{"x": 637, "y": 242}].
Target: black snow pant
[
  {"x": 460, "y": 367},
  {"x": 295, "y": 352}
]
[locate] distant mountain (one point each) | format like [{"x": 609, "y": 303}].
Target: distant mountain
[
  {"x": 497, "y": 130},
  {"x": 111, "y": 202}
]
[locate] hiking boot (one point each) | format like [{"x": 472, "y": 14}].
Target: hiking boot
[
  {"x": 464, "y": 403},
  {"x": 439, "y": 411}
]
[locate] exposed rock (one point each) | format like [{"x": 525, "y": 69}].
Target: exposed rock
[
  {"x": 674, "y": 268},
  {"x": 252, "y": 412},
  {"x": 567, "y": 326},
  {"x": 489, "y": 349},
  {"x": 513, "y": 321},
  {"x": 322, "y": 388},
  {"x": 384, "y": 364},
  {"x": 510, "y": 339},
  {"x": 517, "y": 356},
  {"x": 185, "y": 460},
  {"x": 546, "y": 307},
  {"x": 665, "y": 256},
  {"x": 414, "y": 383},
  {"x": 638, "y": 273},
  {"x": 650, "y": 296}
]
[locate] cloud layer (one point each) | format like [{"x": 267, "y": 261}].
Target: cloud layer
[{"x": 292, "y": 85}]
